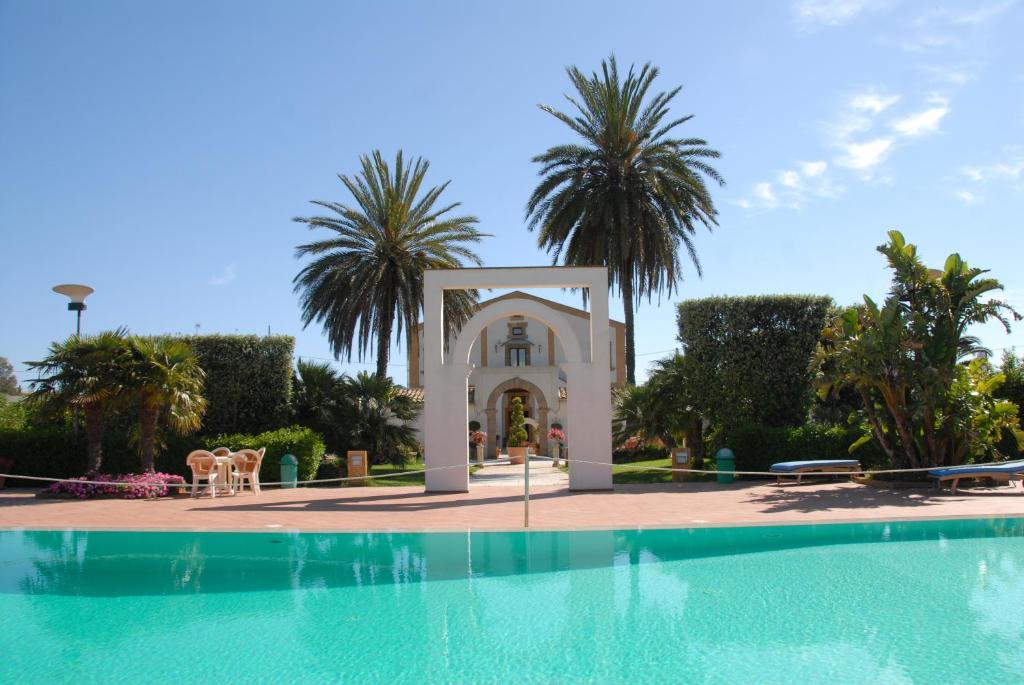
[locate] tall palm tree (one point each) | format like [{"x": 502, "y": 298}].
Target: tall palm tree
[
  {"x": 629, "y": 194},
  {"x": 369, "y": 274},
  {"x": 87, "y": 373},
  {"x": 167, "y": 383}
]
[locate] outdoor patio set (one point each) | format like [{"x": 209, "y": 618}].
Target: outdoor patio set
[{"x": 225, "y": 471}]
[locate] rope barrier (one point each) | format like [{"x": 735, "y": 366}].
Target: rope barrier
[
  {"x": 637, "y": 467},
  {"x": 82, "y": 481}
]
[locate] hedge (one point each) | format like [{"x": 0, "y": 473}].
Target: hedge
[
  {"x": 248, "y": 381},
  {"x": 54, "y": 452},
  {"x": 304, "y": 444},
  {"x": 750, "y": 357},
  {"x": 758, "y": 447}
]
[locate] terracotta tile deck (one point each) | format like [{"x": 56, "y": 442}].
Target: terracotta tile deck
[{"x": 501, "y": 508}]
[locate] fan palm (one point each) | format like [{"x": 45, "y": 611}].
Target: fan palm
[
  {"x": 381, "y": 418},
  {"x": 167, "y": 383},
  {"x": 368, "y": 276},
  {"x": 629, "y": 195},
  {"x": 87, "y": 373}
]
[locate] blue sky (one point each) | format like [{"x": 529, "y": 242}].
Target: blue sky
[{"x": 157, "y": 151}]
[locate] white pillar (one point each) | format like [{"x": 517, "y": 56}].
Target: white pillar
[{"x": 445, "y": 414}]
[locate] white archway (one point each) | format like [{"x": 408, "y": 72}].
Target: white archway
[{"x": 587, "y": 369}]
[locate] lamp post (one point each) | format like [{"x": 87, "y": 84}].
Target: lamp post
[{"x": 77, "y": 295}]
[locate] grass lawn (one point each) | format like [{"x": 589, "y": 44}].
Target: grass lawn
[
  {"x": 416, "y": 478},
  {"x": 633, "y": 472}
]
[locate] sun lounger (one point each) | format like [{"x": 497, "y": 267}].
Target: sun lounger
[
  {"x": 799, "y": 468},
  {"x": 1004, "y": 472}
]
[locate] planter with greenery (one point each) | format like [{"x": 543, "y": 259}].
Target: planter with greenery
[{"x": 517, "y": 435}]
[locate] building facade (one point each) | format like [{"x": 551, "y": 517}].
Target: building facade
[{"x": 519, "y": 356}]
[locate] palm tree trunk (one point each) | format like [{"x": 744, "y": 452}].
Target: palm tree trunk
[
  {"x": 384, "y": 346},
  {"x": 148, "y": 416},
  {"x": 627, "y": 308},
  {"x": 94, "y": 434}
]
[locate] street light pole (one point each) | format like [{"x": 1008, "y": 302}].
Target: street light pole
[{"x": 77, "y": 294}]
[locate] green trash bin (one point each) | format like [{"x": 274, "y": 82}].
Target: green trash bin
[
  {"x": 725, "y": 463},
  {"x": 289, "y": 471}
]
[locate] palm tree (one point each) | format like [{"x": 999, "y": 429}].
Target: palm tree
[
  {"x": 381, "y": 418},
  {"x": 167, "y": 383},
  {"x": 319, "y": 402},
  {"x": 369, "y": 274},
  {"x": 628, "y": 195},
  {"x": 87, "y": 373}
]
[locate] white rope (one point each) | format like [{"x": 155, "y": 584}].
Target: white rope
[
  {"x": 82, "y": 481},
  {"x": 863, "y": 472}
]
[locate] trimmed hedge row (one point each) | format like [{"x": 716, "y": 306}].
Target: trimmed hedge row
[
  {"x": 758, "y": 447},
  {"x": 54, "y": 452},
  {"x": 305, "y": 444},
  {"x": 248, "y": 381},
  {"x": 749, "y": 358}
]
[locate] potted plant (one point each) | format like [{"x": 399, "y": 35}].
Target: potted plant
[
  {"x": 478, "y": 439},
  {"x": 516, "y": 433},
  {"x": 556, "y": 438}
]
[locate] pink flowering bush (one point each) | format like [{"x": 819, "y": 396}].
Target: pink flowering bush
[
  {"x": 632, "y": 443},
  {"x": 124, "y": 485},
  {"x": 478, "y": 437},
  {"x": 557, "y": 435}
]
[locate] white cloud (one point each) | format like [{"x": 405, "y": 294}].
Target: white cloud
[
  {"x": 812, "y": 169},
  {"x": 1010, "y": 170},
  {"x": 865, "y": 155},
  {"x": 789, "y": 178},
  {"x": 968, "y": 198},
  {"x": 873, "y": 102},
  {"x": 923, "y": 122},
  {"x": 818, "y": 13},
  {"x": 225, "y": 277},
  {"x": 764, "y": 193},
  {"x": 971, "y": 17}
]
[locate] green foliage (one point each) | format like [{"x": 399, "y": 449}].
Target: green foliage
[
  {"x": 1012, "y": 389},
  {"x": 47, "y": 451},
  {"x": 474, "y": 426},
  {"x": 13, "y": 415},
  {"x": 8, "y": 381},
  {"x": 905, "y": 361},
  {"x": 370, "y": 270},
  {"x": 303, "y": 443},
  {"x": 363, "y": 413},
  {"x": 630, "y": 193},
  {"x": 757, "y": 447},
  {"x": 167, "y": 388},
  {"x": 748, "y": 359},
  {"x": 248, "y": 385},
  {"x": 517, "y": 434}
]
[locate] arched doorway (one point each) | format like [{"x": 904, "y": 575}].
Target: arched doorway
[{"x": 491, "y": 412}]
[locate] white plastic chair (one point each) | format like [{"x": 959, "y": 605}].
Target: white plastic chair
[
  {"x": 204, "y": 467},
  {"x": 246, "y": 466}
]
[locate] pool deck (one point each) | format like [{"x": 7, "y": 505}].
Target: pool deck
[{"x": 685, "y": 505}]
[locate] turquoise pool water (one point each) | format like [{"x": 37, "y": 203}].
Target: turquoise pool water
[{"x": 923, "y": 602}]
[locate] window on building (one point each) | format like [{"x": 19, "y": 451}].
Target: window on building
[{"x": 517, "y": 356}]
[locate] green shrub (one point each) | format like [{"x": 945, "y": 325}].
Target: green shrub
[
  {"x": 303, "y": 443},
  {"x": 248, "y": 381},
  {"x": 642, "y": 454},
  {"x": 749, "y": 358},
  {"x": 48, "y": 452},
  {"x": 12, "y": 414},
  {"x": 758, "y": 447}
]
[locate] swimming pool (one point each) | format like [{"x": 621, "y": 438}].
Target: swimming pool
[{"x": 911, "y": 602}]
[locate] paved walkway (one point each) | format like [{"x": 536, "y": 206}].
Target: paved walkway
[
  {"x": 501, "y": 508},
  {"x": 542, "y": 474}
]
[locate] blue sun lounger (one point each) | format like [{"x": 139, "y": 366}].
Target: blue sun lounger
[
  {"x": 1004, "y": 471},
  {"x": 799, "y": 468}
]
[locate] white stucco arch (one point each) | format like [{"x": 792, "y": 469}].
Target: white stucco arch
[
  {"x": 556, "y": 321},
  {"x": 586, "y": 367}
]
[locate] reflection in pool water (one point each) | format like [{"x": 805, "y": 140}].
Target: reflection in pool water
[{"x": 939, "y": 601}]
